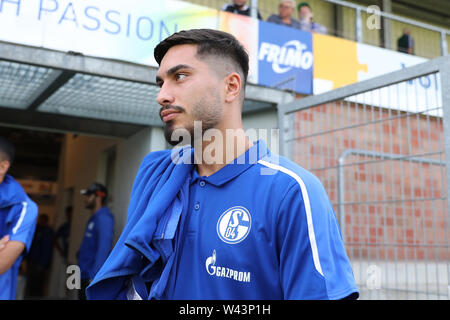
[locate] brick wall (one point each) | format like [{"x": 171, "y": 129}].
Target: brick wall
[{"x": 394, "y": 209}]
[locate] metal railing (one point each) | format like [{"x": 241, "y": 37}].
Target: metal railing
[
  {"x": 381, "y": 147},
  {"x": 353, "y": 23},
  {"x": 386, "y": 27}
]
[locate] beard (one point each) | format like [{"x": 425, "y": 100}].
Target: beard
[
  {"x": 90, "y": 205},
  {"x": 206, "y": 113}
]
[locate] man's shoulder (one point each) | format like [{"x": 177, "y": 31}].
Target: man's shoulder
[
  {"x": 274, "y": 18},
  {"x": 105, "y": 211},
  {"x": 31, "y": 209},
  {"x": 296, "y": 23},
  {"x": 12, "y": 192},
  {"x": 26, "y": 209},
  {"x": 155, "y": 159},
  {"x": 288, "y": 174},
  {"x": 156, "y": 156},
  {"x": 32, "y": 206},
  {"x": 176, "y": 155}
]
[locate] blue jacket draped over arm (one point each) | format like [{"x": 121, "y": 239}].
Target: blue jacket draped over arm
[{"x": 144, "y": 249}]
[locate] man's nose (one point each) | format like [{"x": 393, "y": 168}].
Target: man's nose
[{"x": 165, "y": 97}]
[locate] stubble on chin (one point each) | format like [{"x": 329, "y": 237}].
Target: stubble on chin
[{"x": 205, "y": 114}]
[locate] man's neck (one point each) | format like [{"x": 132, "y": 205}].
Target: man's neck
[
  {"x": 96, "y": 208},
  {"x": 211, "y": 156}
]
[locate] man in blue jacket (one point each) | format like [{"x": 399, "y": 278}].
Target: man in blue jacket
[
  {"x": 18, "y": 216},
  {"x": 98, "y": 235},
  {"x": 221, "y": 217}
]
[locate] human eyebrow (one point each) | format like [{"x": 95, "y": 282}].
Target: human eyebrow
[{"x": 174, "y": 70}]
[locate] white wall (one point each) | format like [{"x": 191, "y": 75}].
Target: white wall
[
  {"x": 130, "y": 153},
  {"x": 81, "y": 165},
  {"x": 263, "y": 122}
]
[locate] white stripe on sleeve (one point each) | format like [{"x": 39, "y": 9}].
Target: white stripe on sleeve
[
  {"x": 312, "y": 237},
  {"x": 22, "y": 216}
]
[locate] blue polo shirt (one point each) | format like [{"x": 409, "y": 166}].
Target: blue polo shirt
[
  {"x": 97, "y": 243},
  {"x": 18, "y": 217},
  {"x": 261, "y": 227}
]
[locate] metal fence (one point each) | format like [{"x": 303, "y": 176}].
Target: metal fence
[
  {"x": 364, "y": 24},
  {"x": 381, "y": 148},
  {"x": 371, "y": 25}
]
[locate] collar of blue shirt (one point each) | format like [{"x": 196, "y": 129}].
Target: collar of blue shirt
[{"x": 233, "y": 169}]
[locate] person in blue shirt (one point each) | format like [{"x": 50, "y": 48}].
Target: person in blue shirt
[
  {"x": 220, "y": 216},
  {"x": 98, "y": 236},
  {"x": 62, "y": 235},
  {"x": 18, "y": 216}
]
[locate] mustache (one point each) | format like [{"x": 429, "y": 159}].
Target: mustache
[{"x": 170, "y": 106}]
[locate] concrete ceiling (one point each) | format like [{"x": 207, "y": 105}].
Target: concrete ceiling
[{"x": 61, "y": 92}]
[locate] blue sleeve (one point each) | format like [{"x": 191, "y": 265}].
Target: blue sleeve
[
  {"x": 104, "y": 229},
  {"x": 313, "y": 261},
  {"x": 24, "y": 223}
]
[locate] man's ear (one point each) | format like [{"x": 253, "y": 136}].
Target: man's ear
[{"x": 233, "y": 86}]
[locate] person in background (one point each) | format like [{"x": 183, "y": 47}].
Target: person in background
[
  {"x": 406, "y": 42},
  {"x": 306, "y": 17},
  {"x": 61, "y": 243},
  {"x": 40, "y": 257},
  {"x": 61, "y": 239},
  {"x": 284, "y": 16},
  {"x": 239, "y": 7},
  {"x": 98, "y": 236},
  {"x": 18, "y": 215}
]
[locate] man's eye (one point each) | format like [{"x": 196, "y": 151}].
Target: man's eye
[{"x": 180, "y": 76}]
